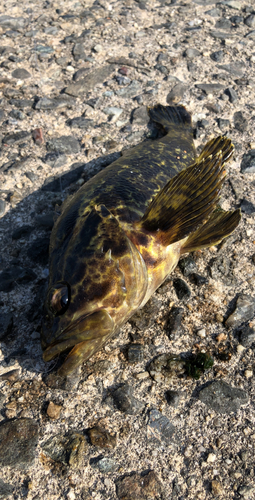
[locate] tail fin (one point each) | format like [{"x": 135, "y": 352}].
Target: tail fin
[{"x": 168, "y": 116}]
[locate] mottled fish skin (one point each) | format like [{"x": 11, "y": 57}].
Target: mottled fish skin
[{"x": 104, "y": 261}]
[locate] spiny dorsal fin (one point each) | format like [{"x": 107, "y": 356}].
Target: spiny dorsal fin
[
  {"x": 169, "y": 116},
  {"x": 219, "y": 226},
  {"x": 189, "y": 198}
]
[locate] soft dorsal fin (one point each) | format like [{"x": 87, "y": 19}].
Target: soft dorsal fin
[{"x": 188, "y": 199}]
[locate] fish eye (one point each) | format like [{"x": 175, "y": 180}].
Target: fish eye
[{"x": 59, "y": 298}]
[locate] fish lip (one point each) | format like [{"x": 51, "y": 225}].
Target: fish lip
[{"x": 62, "y": 340}]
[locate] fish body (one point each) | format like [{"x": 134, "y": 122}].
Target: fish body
[{"x": 123, "y": 232}]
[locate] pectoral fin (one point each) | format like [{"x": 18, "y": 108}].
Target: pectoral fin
[
  {"x": 188, "y": 199},
  {"x": 220, "y": 225}
]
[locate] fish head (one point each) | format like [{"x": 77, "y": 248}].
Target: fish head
[{"x": 95, "y": 283}]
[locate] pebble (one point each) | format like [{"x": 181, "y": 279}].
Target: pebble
[
  {"x": 198, "y": 279},
  {"x": 187, "y": 266},
  {"x": 21, "y": 74},
  {"x": 232, "y": 95},
  {"x": 217, "y": 56},
  {"x": 217, "y": 488},
  {"x": 125, "y": 401},
  {"x": 233, "y": 69},
  {"x": 130, "y": 91},
  {"x": 5, "y": 489},
  {"x": 240, "y": 121},
  {"x": 247, "y": 336},
  {"x": 192, "y": 53},
  {"x": 174, "y": 321},
  {"x": 135, "y": 353},
  {"x": 146, "y": 486},
  {"x": 6, "y": 324},
  {"x": 159, "y": 428},
  {"x": 113, "y": 112},
  {"x": 105, "y": 464},
  {"x": 211, "y": 458},
  {"x": 176, "y": 94},
  {"x": 16, "y": 138},
  {"x": 223, "y": 123},
  {"x": 80, "y": 122},
  {"x": 248, "y": 373},
  {"x": 68, "y": 449},
  {"x": 210, "y": 88},
  {"x": 90, "y": 81},
  {"x": 55, "y": 160},
  {"x": 2, "y": 207},
  {"x": 102, "y": 438},
  {"x": 60, "y": 102},
  {"x": 14, "y": 23},
  {"x": 182, "y": 290},
  {"x": 166, "y": 366},
  {"x": 247, "y": 207},
  {"x": 250, "y": 21},
  {"x": 173, "y": 398},
  {"x": 53, "y": 410},
  {"x": 13, "y": 276},
  {"x": 19, "y": 439},
  {"x": 248, "y": 162},
  {"x": 140, "y": 116},
  {"x": 223, "y": 398},
  {"x": 66, "y": 144},
  {"x": 244, "y": 311}
]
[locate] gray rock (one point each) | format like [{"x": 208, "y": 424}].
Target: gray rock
[
  {"x": 248, "y": 162},
  {"x": 223, "y": 123},
  {"x": 234, "y": 69},
  {"x": 163, "y": 69},
  {"x": 244, "y": 311},
  {"x": 140, "y": 116},
  {"x": 55, "y": 160},
  {"x": 79, "y": 74},
  {"x": 247, "y": 336},
  {"x": 240, "y": 121},
  {"x": 87, "y": 83},
  {"x": 182, "y": 290},
  {"x": 174, "y": 321},
  {"x": 247, "y": 491},
  {"x": 165, "y": 367},
  {"x": 43, "y": 50},
  {"x": 135, "y": 353},
  {"x": 232, "y": 95},
  {"x": 16, "y": 137},
  {"x": 187, "y": 265},
  {"x": 217, "y": 56},
  {"x": 59, "y": 102},
  {"x": 18, "y": 439},
  {"x": 247, "y": 207},
  {"x": 233, "y": 4},
  {"x": 14, "y": 23},
  {"x": 214, "y": 12},
  {"x": 2, "y": 206},
  {"x": 105, "y": 465},
  {"x": 67, "y": 450},
  {"x": 173, "y": 398},
  {"x": 223, "y": 24},
  {"x": 17, "y": 114},
  {"x": 6, "y": 323},
  {"x": 221, "y": 397},
  {"x": 159, "y": 428},
  {"x": 21, "y": 74},
  {"x": 67, "y": 144},
  {"x": 176, "y": 94},
  {"x": 5, "y": 489},
  {"x": 15, "y": 275},
  {"x": 221, "y": 35},
  {"x": 192, "y": 53},
  {"x": 210, "y": 88},
  {"x": 21, "y": 103},
  {"x": 131, "y": 91},
  {"x": 125, "y": 401},
  {"x": 80, "y": 122},
  {"x": 250, "y": 21}
]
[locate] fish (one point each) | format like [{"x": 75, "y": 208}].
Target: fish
[{"x": 123, "y": 232}]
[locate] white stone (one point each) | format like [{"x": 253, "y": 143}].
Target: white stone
[{"x": 211, "y": 458}]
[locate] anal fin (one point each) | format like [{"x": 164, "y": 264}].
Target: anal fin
[
  {"x": 219, "y": 226},
  {"x": 187, "y": 201}
]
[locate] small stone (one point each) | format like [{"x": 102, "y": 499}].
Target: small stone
[
  {"x": 140, "y": 487},
  {"x": 105, "y": 465},
  {"x": 246, "y": 491},
  {"x": 211, "y": 458},
  {"x": 221, "y": 397},
  {"x": 250, "y": 21},
  {"x": 210, "y": 88},
  {"x": 6, "y": 323},
  {"x": 240, "y": 121},
  {"x": 135, "y": 353},
  {"x": 113, "y": 112},
  {"x": 233, "y": 4},
  {"x": 123, "y": 80},
  {"x": 125, "y": 401},
  {"x": 37, "y": 135},
  {"x": 18, "y": 439},
  {"x": 131, "y": 90},
  {"x": 14, "y": 23},
  {"x": 102, "y": 438},
  {"x": 240, "y": 349},
  {"x": 90, "y": 81},
  {"x": 192, "y": 53},
  {"x": 66, "y": 144},
  {"x": 217, "y": 55},
  {"x": 59, "y": 102},
  {"x": 55, "y": 160},
  {"x": 223, "y": 24},
  {"x": 21, "y": 103},
  {"x": 234, "y": 69},
  {"x": 16, "y": 137},
  {"x": 123, "y": 71},
  {"x": 247, "y": 336},
  {"x": 248, "y": 162},
  {"x": 5, "y": 489},
  {"x": 53, "y": 410},
  {"x": 2, "y": 207},
  {"x": 248, "y": 373},
  {"x": 11, "y": 376},
  {"x": 232, "y": 95},
  {"x": 223, "y": 123},
  {"x": 98, "y": 48},
  {"x": 244, "y": 311},
  {"x": 165, "y": 367},
  {"x": 173, "y": 398},
  {"x": 80, "y": 122},
  {"x": 217, "y": 488},
  {"x": 67, "y": 450},
  {"x": 176, "y": 94},
  {"x": 247, "y": 207},
  {"x": 174, "y": 321},
  {"x": 159, "y": 428},
  {"x": 187, "y": 265},
  {"x": 21, "y": 74},
  {"x": 140, "y": 116},
  {"x": 201, "y": 333},
  {"x": 182, "y": 290},
  {"x": 198, "y": 279}
]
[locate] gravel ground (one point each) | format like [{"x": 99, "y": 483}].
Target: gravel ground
[{"x": 133, "y": 423}]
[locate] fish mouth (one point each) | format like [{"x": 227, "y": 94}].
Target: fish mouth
[{"x": 83, "y": 335}]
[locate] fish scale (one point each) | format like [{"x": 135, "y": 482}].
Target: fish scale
[{"x": 123, "y": 232}]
